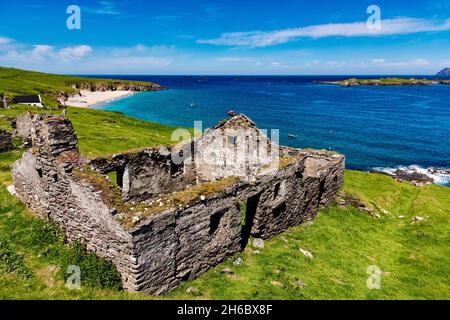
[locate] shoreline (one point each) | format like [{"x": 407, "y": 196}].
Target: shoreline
[{"x": 90, "y": 99}]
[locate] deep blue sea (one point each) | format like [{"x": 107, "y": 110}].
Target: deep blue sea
[{"x": 375, "y": 127}]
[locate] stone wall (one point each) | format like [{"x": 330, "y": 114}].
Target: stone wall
[
  {"x": 44, "y": 181},
  {"x": 5, "y": 141},
  {"x": 294, "y": 196},
  {"x": 180, "y": 242},
  {"x": 147, "y": 173},
  {"x": 23, "y": 126},
  {"x": 183, "y": 244}
]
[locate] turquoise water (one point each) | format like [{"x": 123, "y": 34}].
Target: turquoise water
[{"x": 375, "y": 127}]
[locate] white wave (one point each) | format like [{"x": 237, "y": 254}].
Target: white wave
[{"x": 440, "y": 176}]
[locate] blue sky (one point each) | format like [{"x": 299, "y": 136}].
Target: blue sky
[{"x": 226, "y": 37}]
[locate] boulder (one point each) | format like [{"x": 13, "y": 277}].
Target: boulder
[
  {"x": 258, "y": 243},
  {"x": 413, "y": 176}
]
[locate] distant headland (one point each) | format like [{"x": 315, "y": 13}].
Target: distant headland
[
  {"x": 444, "y": 73},
  {"x": 385, "y": 82},
  {"x": 62, "y": 90}
]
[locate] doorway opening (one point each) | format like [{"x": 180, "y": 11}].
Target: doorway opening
[{"x": 249, "y": 209}]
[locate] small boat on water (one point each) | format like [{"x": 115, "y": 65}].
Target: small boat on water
[
  {"x": 232, "y": 113},
  {"x": 292, "y": 136},
  {"x": 192, "y": 104}
]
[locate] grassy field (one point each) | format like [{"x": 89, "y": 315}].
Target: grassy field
[
  {"x": 344, "y": 241},
  {"x": 50, "y": 86}
]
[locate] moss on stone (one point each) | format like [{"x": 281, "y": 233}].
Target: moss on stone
[
  {"x": 109, "y": 192},
  {"x": 134, "y": 214}
]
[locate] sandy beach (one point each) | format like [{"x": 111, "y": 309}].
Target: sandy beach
[{"x": 88, "y": 99}]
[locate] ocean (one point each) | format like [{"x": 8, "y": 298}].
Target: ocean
[{"x": 381, "y": 128}]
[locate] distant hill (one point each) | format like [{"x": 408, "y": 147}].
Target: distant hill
[{"x": 444, "y": 73}]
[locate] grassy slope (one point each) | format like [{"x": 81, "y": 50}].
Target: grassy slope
[{"x": 50, "y": 86}]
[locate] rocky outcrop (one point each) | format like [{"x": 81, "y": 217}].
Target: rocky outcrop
[
  {"x": 415, "y": 177},
  {"x": 166, "y": 221},
  {"x": 444, "y": 73}
]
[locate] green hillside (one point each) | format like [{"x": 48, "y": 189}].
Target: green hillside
[{"x": 50, "y": 86}]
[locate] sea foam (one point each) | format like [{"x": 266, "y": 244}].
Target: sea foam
[{"x": 440, "y": 176}]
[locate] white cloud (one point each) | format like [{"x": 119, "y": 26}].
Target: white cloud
[
  {"x": 419, "y": 62},
  {"x": 236, "y": 59},
  {"x": 4, "y": 40},
  {"x": 397, "y": 26},
  {"x": 104, "y": 8},
  {"x": 65, "y": 54},
  {"x": 75, "y": 53},
  {"x": 109, "y": 60},
  {"x": 278, "y": 65},
  {"x": 143, "y": 50},
  {"x": 229, "y": 59},
  {"x": 48, "y": 53},
  {"x": 41, "y": 51}
]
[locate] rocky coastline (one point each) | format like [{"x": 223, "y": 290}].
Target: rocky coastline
[
  {"x": 99, "y": 86},
  {"x": 90, "y": 94},
  {"x": 413, "y": 175}
]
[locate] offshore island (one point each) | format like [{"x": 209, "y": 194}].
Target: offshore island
[
  {"x": 386, "y": 82},
  {"x": 106, "y": 163}
]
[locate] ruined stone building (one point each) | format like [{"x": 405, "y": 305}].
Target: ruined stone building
[{"x": 172, "y": 213}]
